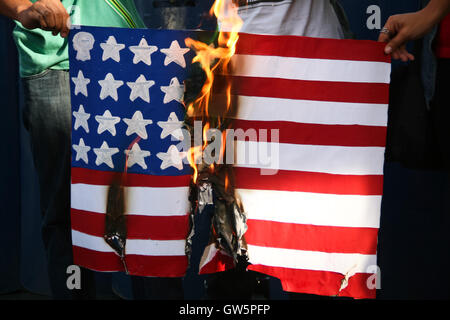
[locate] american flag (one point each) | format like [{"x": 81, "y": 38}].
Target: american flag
[
  {"x": 313, "y": 218},
  {"x": 313, "y": 221},
  {"x": 127, "y": 88}
]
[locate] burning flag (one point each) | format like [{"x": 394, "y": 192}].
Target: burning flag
[
  {"x": 297, "y": 192},
  {"x": 130, "y": 181},
  {"x": 309, "y": 121},
  {"x": 213, "y": 177},
  {"x": 313, "y": 203}
]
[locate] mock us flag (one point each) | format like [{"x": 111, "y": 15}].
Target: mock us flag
[
  {"x": 313, "y": 208},
  {"x": 127, "y": 88},
  {"x": 313, "y": 202}
]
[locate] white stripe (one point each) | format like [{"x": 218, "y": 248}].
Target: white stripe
[
  {"x": 312, "y": 208},
  {"x": 310, "y": 69},
  {"x": 137, "y": 247},
  {"x": 140, "y": 200},
  {"x": 311, "y": 260},
  {"x": 310, "y": 158},
  {"x": 315, "y": 112},
  {"x": 156, "y": 247}
]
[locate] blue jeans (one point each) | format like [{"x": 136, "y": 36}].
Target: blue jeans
[{"x": 47, "y": 117}]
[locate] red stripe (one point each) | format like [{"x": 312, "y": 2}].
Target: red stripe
[
  {"x": 284, "y": 180},
  {"x": 316, "y": 134},
  {"x": 95, "y": 260},
  {"x": 155, "y": 266},
  {"x": 304, "y": 47},
  {"x": 138, "y": 227},
  {"x": 219, "y": 263},
  {"x": 146, "y": 266},
  {"x": 96, "y": 177},
  {"x": 320, "y": 282},
  {"x": 356, "y": 92},
  {"x": 311, "y": 238}
]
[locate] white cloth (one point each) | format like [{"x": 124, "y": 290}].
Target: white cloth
[{"x": 311, "y": 18}]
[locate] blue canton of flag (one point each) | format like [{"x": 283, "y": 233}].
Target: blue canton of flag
[{"x": 127, "y": 90}]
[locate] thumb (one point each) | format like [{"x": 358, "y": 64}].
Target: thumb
[{"x": 399, "y": 40}]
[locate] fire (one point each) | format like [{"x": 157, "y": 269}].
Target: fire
[
  {"x": 227, "y": 183},
  {"x": 192, "y": 156},
  {"x": 212, "y": 183},
  {"x": 214, "y": 59}
]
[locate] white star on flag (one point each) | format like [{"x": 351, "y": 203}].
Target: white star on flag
[
  {"x": 141, "y": 88},
  {"x": 175, "y": 54},
  {"x": 104, "y": 155},
  {"x": 111, "y": 49},
  {"x": 107, "y": 122},
  {"x": 81, "y": 84},
  {"x": 136, "y": 156},
  {"x": 172, "y": 127},
  {"x": 172, "y": 158},
  {"x": 81, "y": 119},
  {"x": 143, "y": 52},
  {"x": 174, "y": 91},
  {"x": 81, "y": 150},
  {"x": 109, "y": 87},
  {"x": 137, "y": 125}
]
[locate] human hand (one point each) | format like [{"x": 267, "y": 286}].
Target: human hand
[
  {"x": 49, "y": 15},
  {"x": 401, "y": 28}
]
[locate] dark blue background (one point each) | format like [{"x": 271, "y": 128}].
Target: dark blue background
[{"x": 22, "y": 260}]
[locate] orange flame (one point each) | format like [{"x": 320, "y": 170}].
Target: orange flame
[
  {"x": 192, "y": 157},
  {"x": 210, "y": 58},
  {"x": 227, "y": 182}
]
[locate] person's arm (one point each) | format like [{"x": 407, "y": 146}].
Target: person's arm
[
  {"x": 12, "y": 8},
  {"x": 49, "y": 15},
  {"x": 411, "y": 26}
]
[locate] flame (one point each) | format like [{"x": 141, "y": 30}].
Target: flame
[
  {"x": 211, "y": 58},
  {"x": 205, "y": 133},
  {"x": 223, "y": 145},
  {"x": 227, "y": 183},
  {"x": 192, "y": 158}
]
